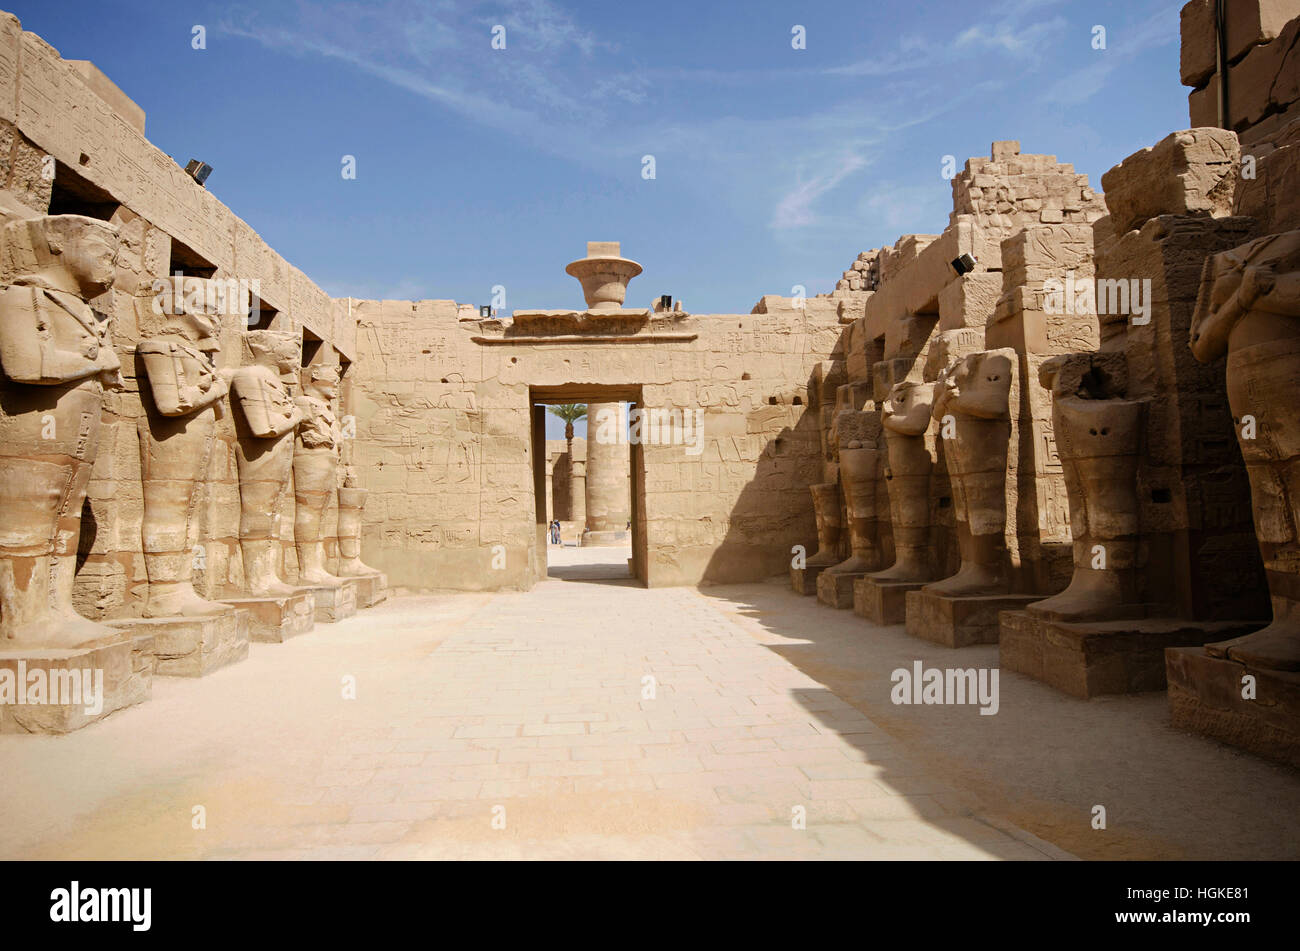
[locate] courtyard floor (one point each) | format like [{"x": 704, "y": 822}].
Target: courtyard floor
[{"x": 592, "y": 718}]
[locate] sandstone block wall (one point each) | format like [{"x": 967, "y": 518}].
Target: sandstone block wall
[
  {"x": 1263, "y": 66},
  {"x": 443, "y": 420}
]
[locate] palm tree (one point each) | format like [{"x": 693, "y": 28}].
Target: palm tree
[{"x": 570, "y": 413}]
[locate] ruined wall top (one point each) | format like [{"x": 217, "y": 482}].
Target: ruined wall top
[{"x": 1009, "y": 191}]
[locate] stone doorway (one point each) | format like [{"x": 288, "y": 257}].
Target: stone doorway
[{"x": 606, "y": 465}]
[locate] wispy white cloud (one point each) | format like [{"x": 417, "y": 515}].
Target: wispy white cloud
[
  {"x": 795, "y": 209},
  {"x": 1029, "y": 42},
  {"x": 1123, "y": 44}
]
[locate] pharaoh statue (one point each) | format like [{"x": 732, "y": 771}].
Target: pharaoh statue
[
  {"x": 856, "y": 434},
  {"x": 57, "y": 358},
  {"x": 352, "y": 499},
  {"x": 906, "y": 418},
  {"x": 176, "y": 436},
  {"x": 265, "y": 425},
  {"x": 1249, "y": 308},
  {"x": 826, "y": 495},
  {"x": 972, "y": 405},
  {"x": 1098, "y": 439},
  {"x": 315, "y": 471},
  {"x": 826, "y": 509}
]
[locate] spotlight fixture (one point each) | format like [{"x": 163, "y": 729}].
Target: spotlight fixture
[
  {"x": 485, "y": 310},
  {"x": 964, "y": 263},
  {"x": 665, "y": 301},
  {"x": 199, "y": 171}
]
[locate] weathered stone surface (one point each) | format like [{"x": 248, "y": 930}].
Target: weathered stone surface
[
  {"x": 334, "y": 602},
  {"x": 1206, "y": 696},
  {"x": 273, "y": 619},
  {"x": 958, "y": 621},
  {"x": 882, "y": 601},
  {"x": 117, "y": 670},
  {"x": 1272, "y": 195},
  {"x": 1190, "y": 172},
  {"x": 1249, "y": 23},
  {"x": 193, "y": 646},
  {"x": 1095, "y": 658}
]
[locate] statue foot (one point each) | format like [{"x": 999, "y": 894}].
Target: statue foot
[
  {"x": 319, "y": 578},
  {"x": 971, "y": 581},
  {"x": 822, "y": 561},
  {"x": 853, "y": 566},
  {"x": 356, "y": 568},
  {"x": 901, "y": 571},
  {"x": 272, "y": 589},
  {"x": 180, "y": 601},
  {"x": 62, "y": 629},
  {"x": 1091, "y": 595},
  {"x": 1276, "y": 647}
]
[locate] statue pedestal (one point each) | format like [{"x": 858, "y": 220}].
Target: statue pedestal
[
  {"x": 836, "y": 588},
  {"x": 1091, "y": 658},
  {"x": 605, "y": 539},
  {"x": 274, "y": 619},
  {"x": 883, "y": 602},
  {"x": 370, "y": 589},
  {"x": 192, "y": 646},
  {"x": 804, "y": 580},
  {"x": 127, "y": 664},
  {"x": 333, "y": 602},
  {"x": 1205, "y": 697},
  {"x": 960, "y": 621}
]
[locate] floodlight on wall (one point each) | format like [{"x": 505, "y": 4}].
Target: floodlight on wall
[
  {"x": 964, "y": 263},
  {"x": 199, "y": 171},
  {"x": 485, "y": 310},
  {"x": 665, "y": 301}
]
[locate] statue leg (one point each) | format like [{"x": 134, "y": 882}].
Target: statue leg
[
  {"x": 263, "y": 483},
  {"x": 314, "y": 476},
  {"x": 1260, "y": 380},
  {"x": 174, "y": 455},
  {"x": 55, "y": 432}
]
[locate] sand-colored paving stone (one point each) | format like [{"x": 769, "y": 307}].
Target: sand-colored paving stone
[{"x": 528, "y": 708}]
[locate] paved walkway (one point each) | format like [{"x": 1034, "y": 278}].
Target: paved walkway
[
  {"x": 592, "y": 720},
  {"x": 597, "y": 719}
]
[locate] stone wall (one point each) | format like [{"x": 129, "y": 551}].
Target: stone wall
[
  {"x": 443, "y": 405},
  {"x": 1263, "y": 66}
]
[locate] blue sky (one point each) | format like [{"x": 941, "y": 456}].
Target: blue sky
[{"x": 477, "y": 167}]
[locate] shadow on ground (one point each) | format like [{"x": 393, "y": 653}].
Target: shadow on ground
[{"x": 1045, "y": 760}]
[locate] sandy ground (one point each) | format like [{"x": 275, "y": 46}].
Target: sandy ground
[{"x": 592, "y": 718}]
